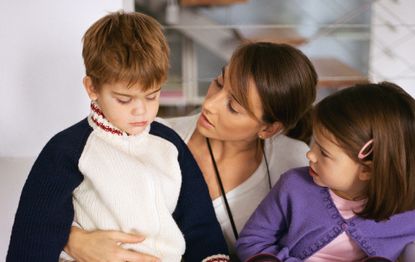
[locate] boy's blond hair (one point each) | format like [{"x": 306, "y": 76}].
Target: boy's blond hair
[{"x": 128, "y": 47}]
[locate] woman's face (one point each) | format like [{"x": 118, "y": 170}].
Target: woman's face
[{"x": 223, "y": 118}]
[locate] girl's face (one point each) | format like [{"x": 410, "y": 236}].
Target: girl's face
[
  {"x": 331, "y": 167},
  {"x": 223, "y": 118}
]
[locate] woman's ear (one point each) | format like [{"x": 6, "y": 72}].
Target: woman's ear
[
  {"x": 90, "y": 89},
  {"x": 270, "y": 129}
]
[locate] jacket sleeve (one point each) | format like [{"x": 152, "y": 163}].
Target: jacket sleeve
[
  {"x": 45, "y": 211},
  {"x": 195, "y": 215},
  {"x": 264, "y": 229}
]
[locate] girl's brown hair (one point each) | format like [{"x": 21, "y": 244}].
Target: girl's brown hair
[
  {"x": 286, "y": 83},
  {"x": 385, "y": 113},
  {"x": 128, "y": 47}
]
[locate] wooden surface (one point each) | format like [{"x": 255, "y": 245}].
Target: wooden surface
[
  {"x": 333, "y": 73},
  {"x": 209, "y": 2},
  {"x": 275, "y": 35}
]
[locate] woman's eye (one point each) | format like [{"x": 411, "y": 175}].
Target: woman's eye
[
  {"x": 230, "y": 107},
  {"x": 123, "y": 101},
  {"x": 218, "y": 83}
]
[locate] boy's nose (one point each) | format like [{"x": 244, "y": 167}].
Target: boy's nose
[{"x": 139, "y": 108}]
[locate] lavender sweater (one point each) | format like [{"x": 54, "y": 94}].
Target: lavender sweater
[{"x": 297, "y": 218}]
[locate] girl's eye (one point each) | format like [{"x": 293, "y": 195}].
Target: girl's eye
[
  {"x": 323, "y": 153},
  {"x": 124, "y": 101}
]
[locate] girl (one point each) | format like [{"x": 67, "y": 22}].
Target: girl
[{"x": 356, "y": 199}]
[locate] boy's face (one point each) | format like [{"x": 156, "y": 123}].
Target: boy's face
[{"x": 127, "y": 108}]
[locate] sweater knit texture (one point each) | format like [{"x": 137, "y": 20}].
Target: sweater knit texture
[
  {"x": 148, "y": 184},
  {"x": 298, "y": 218}
]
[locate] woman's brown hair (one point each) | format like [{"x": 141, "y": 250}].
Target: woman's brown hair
[
  {"x": 385, "y": 113},
  {"x": 286, "y": 82},
  {"x": 128, "y": 47}
]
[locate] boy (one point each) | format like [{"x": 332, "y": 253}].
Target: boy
[{"x": 118, "y": 169}]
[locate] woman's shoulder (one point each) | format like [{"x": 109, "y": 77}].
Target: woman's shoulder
[
  {"x": 284, "y": 143},
  {"x": 286, "y": 153},
  {"x": 184, "y": 125}
]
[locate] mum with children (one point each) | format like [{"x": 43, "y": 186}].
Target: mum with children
[{"x": 226, "y": 184}]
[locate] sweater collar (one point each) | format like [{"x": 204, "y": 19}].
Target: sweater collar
[{"x": 99, "y": 121}]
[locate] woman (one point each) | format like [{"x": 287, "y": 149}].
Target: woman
[{"x": 238, "y": 140}]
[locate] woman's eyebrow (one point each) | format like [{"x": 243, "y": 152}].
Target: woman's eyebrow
[{"x": 233, "y": 97}]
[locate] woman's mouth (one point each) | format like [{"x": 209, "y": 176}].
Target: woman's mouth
[{"x": 204, "y": 121}]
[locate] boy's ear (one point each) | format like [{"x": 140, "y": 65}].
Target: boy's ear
[
  {"x": 365, "y": 171},
  {"x": 90, "y": 89},
  {"x": 270, "y": 129}
]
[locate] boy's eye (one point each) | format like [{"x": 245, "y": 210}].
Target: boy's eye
[
  {"x": 123, "y": 100},
  {"x": 152, "y": 96}
]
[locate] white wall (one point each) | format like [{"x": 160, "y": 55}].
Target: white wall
[
  {"x": 40, "y": 84},
  {"x": 41, "y": 69},
  {"x": 393, "y": 43}
]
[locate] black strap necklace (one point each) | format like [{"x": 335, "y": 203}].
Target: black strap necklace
[{"x": 222, "y": 189}]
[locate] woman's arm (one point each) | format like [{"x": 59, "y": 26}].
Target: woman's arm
[{"x": 95, "y": 246}]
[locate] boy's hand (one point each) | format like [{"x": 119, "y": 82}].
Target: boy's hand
[{"x": 104, "y": 246}]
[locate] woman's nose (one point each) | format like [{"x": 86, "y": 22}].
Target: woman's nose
[{"x": 214, "y": 101}]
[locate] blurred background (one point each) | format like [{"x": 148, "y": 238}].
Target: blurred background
[{"x": 41, "y": 66}]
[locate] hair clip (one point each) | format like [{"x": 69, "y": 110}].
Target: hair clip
[{"x": 362, "y": 153}]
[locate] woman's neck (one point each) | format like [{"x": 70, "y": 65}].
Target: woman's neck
[
  {"x": 236, "y": 161},
  {"x": 223, "y": 150}
]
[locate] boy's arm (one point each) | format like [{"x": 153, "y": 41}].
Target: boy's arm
[
  {"x": 195, "y": 215},
  {"x": 45, "y": 212},
  {"x": 265, "y": 227}
]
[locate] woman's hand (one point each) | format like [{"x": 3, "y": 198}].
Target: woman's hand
[{"x": 104, "y": 246}]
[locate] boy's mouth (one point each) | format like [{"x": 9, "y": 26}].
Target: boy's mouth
[{"x": 138, "y": 124}]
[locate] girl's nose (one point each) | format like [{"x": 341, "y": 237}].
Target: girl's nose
[{"x": 310, "y": 156}]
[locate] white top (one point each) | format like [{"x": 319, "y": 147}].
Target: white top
[{"x": 282, "y": 153}]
